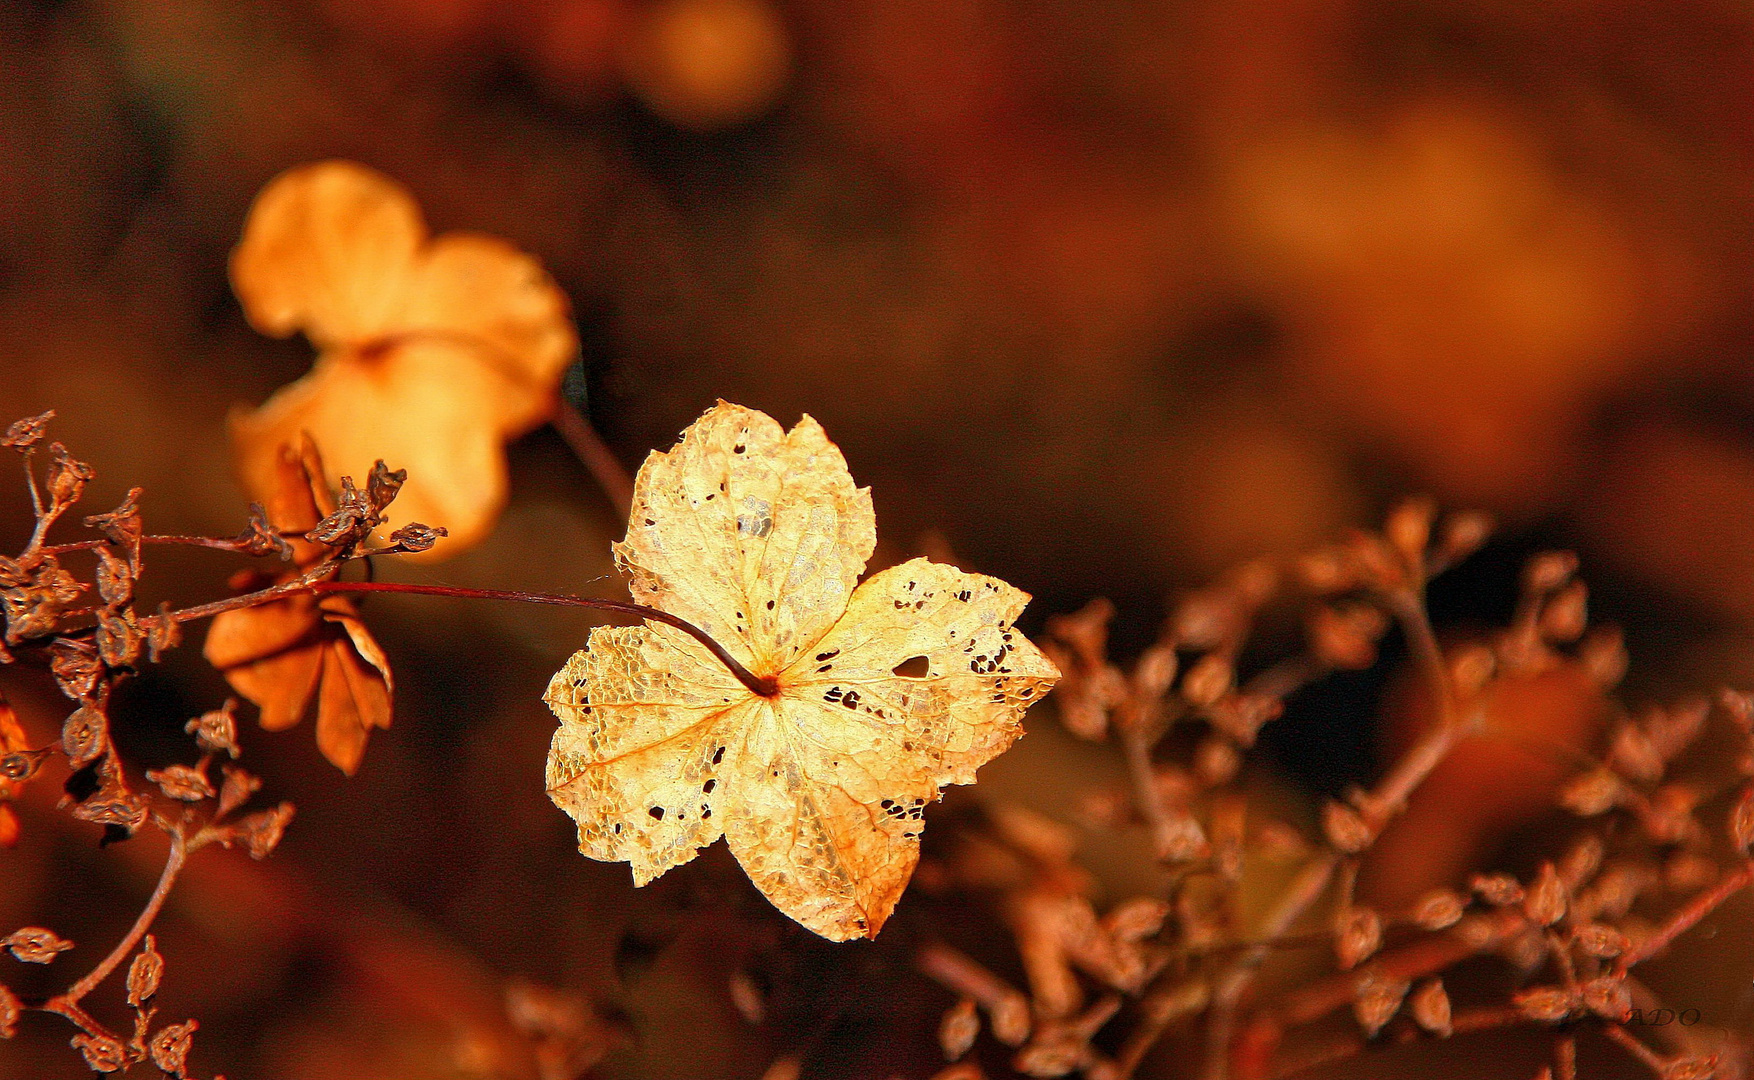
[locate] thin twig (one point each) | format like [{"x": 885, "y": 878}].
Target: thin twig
[
  {"x": 763, "y": 685},
  {"x": 1637, "y": 1049},
  {"x": 172, "y": 865},
  {"x": 591, "y": 451},
  {"x": 1684, "y": 920}
]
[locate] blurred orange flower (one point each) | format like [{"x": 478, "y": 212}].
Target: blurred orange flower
[{"x": 432, "y": 351}]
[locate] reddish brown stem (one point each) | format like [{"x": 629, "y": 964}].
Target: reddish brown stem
[
  {"x": 589, "y": 448},
  {"x": 764, "y": 685},
  {"x": 1688, "y": 917}
]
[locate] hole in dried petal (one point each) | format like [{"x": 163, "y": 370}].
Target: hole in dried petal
[
  {"x": 657, "y": 813},
  {"x": 914, "y": 667}
]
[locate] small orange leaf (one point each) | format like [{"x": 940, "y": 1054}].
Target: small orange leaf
[{"x": 281, "y": 654}]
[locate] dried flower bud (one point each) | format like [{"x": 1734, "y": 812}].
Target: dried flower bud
[
  {"x": 1155, "y": 671},
  {"x": 1345, "y": 635},
  {"x": 1667, "y": 816},
  {"x": 1216, "y": 761},
  {"x": 102, "y": 1053},
  {"x": 1438, "y": 909},
  {"x": 1608, "y": 998},
  {"x": 1691, "y": 1068},
  {"x": 1471, "y": 667},
  {"x": 182, "y": 782},
  {"x": 1600, "y": 940},
  {"x": 1327, "y": 571},
  {"x": 1009, "y": 1016},
  {"x": 1345, "y": 828},
  {"x": 1408, "y": 528},
  {"x": 23, "y": 434},
  {"x": 1376, "y": 1001},
  {"x": 1357, "y": 936},
  {"x": 959, "y": 1029},
  {"x": 1739, "y": 707},
  {"x": 1499, "y": 890},
  {"x": 35, "y": 945},
  {"x": 122, "y": 526},
  {"x": 1462, "y": 535},
  {"x": 1208, "y": 680},
  {"x": 1240, "y": 716},
  {"x": 1547, "y": 571},
  {"x": 1590, "y": 793},
  {"x": 1203, "y": 620},
  {"x": 1603, "y": 656},
  {"x": 1177, "y": 837},
  {"x": 10, "y": 1007},
  {"x": 1430, "y": 1007},
  {"x": 163, "y": 632},
  {"x": 1545, "y": 904},
  {"x": 1673, "y": 729},
  {"x": 1742, "y": 820},
  {"x": 1526, "y": 951},
  {"x": 170, "y": 1047},
  {"x": 1581, "y": 861},
  {"x": 416, "y": 537},
  {"x": 114, "y": 805},
  {"x": 1546, "y": 1003},
  {"x": 216, "y": 731},
  {"x": 1566, "y": 614},
  {"x": 144, "y": 973},
  {"x": 1613, "y": 893},
  {"x": 260, "y": 537},
  {"x": 66, "y": 476}
]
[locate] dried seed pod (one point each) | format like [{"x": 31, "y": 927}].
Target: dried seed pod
[
  {"x": 26, "y": 433},
  {"x": 35, "y": 945},
  {"x": 216, "y": 731},
  {"x": 1499, "y": 890},
  {"x": 1344, "y": 635},
  {"x": 1565, "y": 616},
  {"x": 1208, "y": 680},
  {"x": 1546, "y": 1004},
  {"x": 1691, "y": 1068},
  {"x": 1742, "y": 820},
  {"x": 1357, "y": 936},
  {"x": 1155, "y": 671},
  {"x": 1461, "y": 536},
  {"x": 1608, "y": 997},
  {"x": 144, "y": 973},
  {"x": 1408, "y": 528},
  {"x": 1438, "y": 909},
  {"x": 1216, "y": 761},
  {"x": 1471, "y": 667},
  {"x": 1345, "y": 828},
  {"x": 1603, "y": 656},
  {"x": 1546, "y": 900},
  {"x": 1600, "y": 940},
  {"x": 1634, "y": 755},
  {"x": 959, "y": 1028},
  {"x": 1581, "y": 861},
  {"x": 1376, "y": 1001},
  {"x": 1430, "y": 1006},
  {"x": 102, "y": 1053},
  {"x": 182, "y": 782},
  {"x": 170, "y": 1047},
  {"x": 1547, "y": 571},
  {"x": 1136, "y": 919}
]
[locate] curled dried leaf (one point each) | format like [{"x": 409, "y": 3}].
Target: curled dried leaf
[
  {"x": 35, "y": 944},
  {"x": 144, "y": 973}
]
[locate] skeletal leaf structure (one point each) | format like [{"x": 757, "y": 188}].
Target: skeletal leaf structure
[{"x": 885, "y": 691}]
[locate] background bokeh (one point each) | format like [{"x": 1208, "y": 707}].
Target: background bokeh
[{"x": 1099, "y": 296}]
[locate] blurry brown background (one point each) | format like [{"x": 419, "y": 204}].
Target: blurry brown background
[{"x": 1105, "y": 295}]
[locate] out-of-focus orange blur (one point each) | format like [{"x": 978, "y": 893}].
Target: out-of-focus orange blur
[{"x": 1104, "y": 296}]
